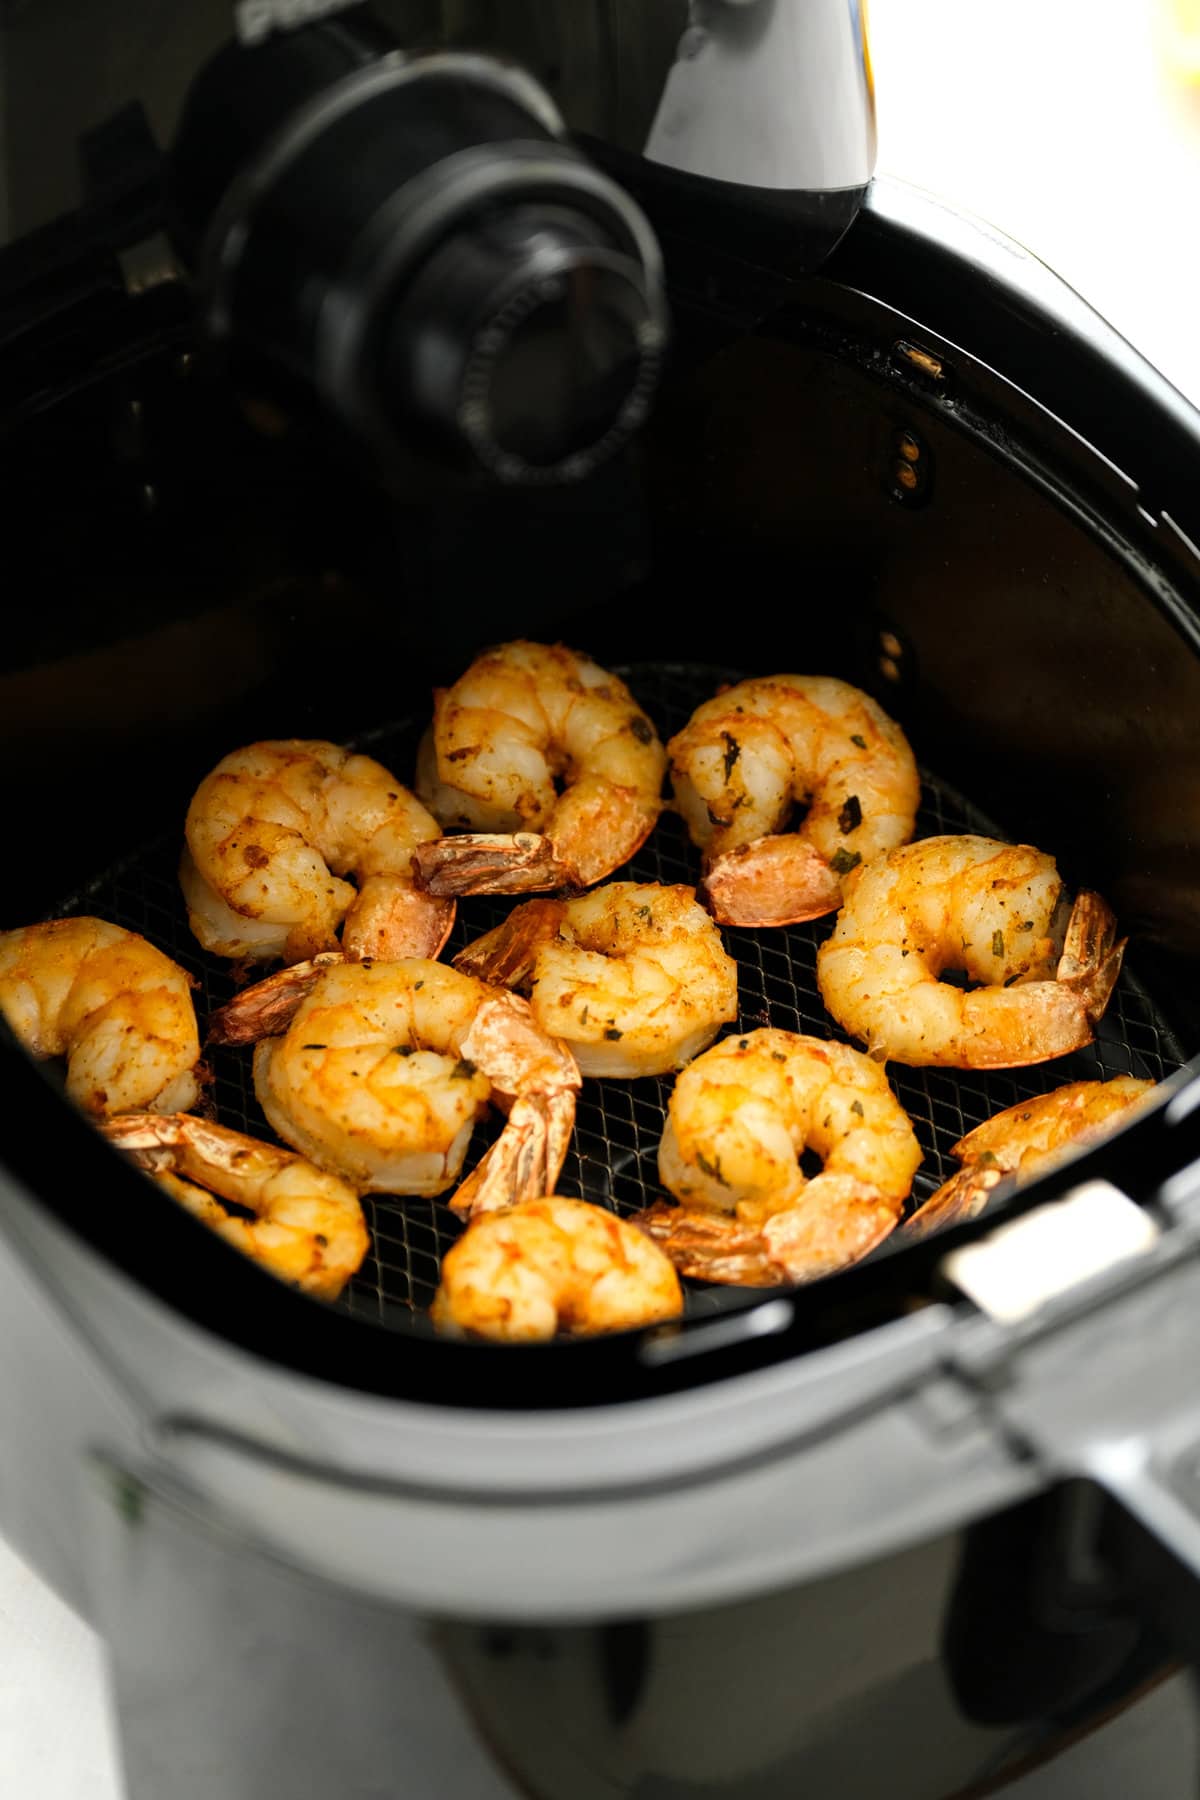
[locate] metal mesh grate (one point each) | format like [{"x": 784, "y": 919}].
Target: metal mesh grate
[{"x": 613, "y": 1159}]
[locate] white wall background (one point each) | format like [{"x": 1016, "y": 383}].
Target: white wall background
[{"x": 1066, "y": 123}]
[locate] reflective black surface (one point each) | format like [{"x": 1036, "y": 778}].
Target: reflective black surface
[{"x": 235, "y": 1675}]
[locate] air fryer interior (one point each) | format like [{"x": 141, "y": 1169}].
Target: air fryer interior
[{"x": 187, "y": 583}]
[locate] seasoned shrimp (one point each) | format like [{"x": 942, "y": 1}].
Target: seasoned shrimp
[
  {"x": 755, "y": 752},
  {"x": 739, "y": 1119},
  {"x": 524, "y": 721},
  {"x": 553, "y": 1265},
  {"x": 118, "y": 1009},
  {"x": 633, "y": 976},
  {"x": 308, "y": 1226},
  {"x": 1026, "y": 1140},
  {"x": 383, "y": 1068},
  {"x": 271, "y": 831},
  {"x": 999, "y": 913}
]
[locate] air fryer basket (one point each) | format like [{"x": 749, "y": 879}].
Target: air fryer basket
[
  {"x": 613, "y": 1156},
  {"x": 1025, "y": 610}
]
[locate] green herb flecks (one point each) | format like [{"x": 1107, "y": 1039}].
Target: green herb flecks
[
  {"x": 711, "y": 1169},
  {"x": 732, "y": 751},
  {"x": 842, "y": 861},
  {"x": 997, "y": 943},
  {"x": 850, "y": 817}
]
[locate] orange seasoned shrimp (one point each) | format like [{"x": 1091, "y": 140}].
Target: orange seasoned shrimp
[
  {"x": 633, "y": 976},
  {"x": 1026, "y": 1140},
  {"x": 308, "y": 1226},
  {"x": 118, "y": 1009},
  {"x": 271, "y": 832},
  {"x": 759, "y": 749},
  {"x": 739, "y": 1120},
  {"x": 553, "y": 1265},
  {"x": 383, "y": 1068},
  {"x": 524, "y": 721},
  {"x": 998, "y": 912}
]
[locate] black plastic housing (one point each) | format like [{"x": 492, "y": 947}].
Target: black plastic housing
[{"x": 411, "y": 241}]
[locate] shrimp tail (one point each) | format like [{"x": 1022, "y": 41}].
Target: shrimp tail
[
  {"x": 1091, "y": 958},
  {"x": 780, "y": 880},
  {"x": 710, "y": 1246},
  {"x": 486, "y": 862},
  {"x": 180, "y": 1141},
  {"x": 956, "y": 1202},
  {"x": 307, "y": 1226},
  {"x": 838, "y": 1222},
  {"x": 506, "y": 956},
  {"x": 149, "y": 1138},
  {"x": 560, "y": 1124},
  {"x": 392, "y": 920},
  {"x": 198, "y": 1148},
  {"x": 268, "y": 1008},
  {"x": 525, "y": 1161}
]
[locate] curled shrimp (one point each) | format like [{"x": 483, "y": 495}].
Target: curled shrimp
[
  {"x": 382, "y": 1069},
  {"x": 271, "y": 832},
  {"x": 525, "y": 720},
  {"x": 116, "y": 1008},
  {"x": 1025, "y": 1140},
  {"x": 553, "y": 1265},
  {"x": 633, "y": 977},
  {"x": 308, "y": 1226},
  {"x": 739, "y": 1120},
  {"x": 746, "y": 760},
  {"x": 996, "y": 911}
]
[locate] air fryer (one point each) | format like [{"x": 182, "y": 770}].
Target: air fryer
[{"x": 859, "y": 1535}]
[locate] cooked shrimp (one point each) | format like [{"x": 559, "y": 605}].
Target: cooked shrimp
[
  {"x": 739, "y": 1119},
  {"x": 633, "y": 976},
  {"x": 271, "y": 831},
  {"x": 118, "y": 1009},
  {"x": 308, "y": 1226},
  {"x": 549, "y": 1266},
  {"x": 383, "y": 1068},
  {"x": 755, "y": 752},
  {"x": 996, "y": 911},
  {"x": 1026, "y": 1140},
  {"x": 524, "y": 721}
]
